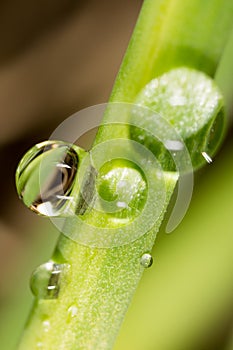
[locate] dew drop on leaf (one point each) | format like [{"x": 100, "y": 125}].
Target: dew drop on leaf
[
  {"x": 192, "y": 104},
  {"x": 122, "y": 197},
  {"x": 146, "y": 260},
  {"x": 45, "y": 280},
  {"x": 46, "y": 175}
]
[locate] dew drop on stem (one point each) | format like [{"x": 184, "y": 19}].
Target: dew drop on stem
[
  {"x": 46, "y": 176},
  {"x": 45, "y": 280},
  {"x": 146, "y": 260}
]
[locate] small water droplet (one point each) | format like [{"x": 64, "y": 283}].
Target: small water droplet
[
  {"x": 39, "y": 345},
  {"x": 146, "y": 260},
  {"x": 72, "y": 311},
  {"x": 207, "y": 157},
  {"x": 45, "y": 280},
  {"x": 46, "y": 176},
  {"x": 118, "y": 194}
]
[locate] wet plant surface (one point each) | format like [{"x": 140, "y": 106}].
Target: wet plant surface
[{"x": 102, "y": 277}]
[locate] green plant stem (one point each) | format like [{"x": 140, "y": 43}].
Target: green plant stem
[
  {"x": 100, "y": 285},
  {"x": 170, "y": 34},
  {"x": 101, "y": 282}
]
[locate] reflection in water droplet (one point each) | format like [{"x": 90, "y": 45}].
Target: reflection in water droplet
[
  {"x": 207, "y": 157},
  {"x": 46, "y": 176},
  {"x": 45, "y": 280},
  {"x": 72, "y": 311},
  {"x": 146, "y": 260}
]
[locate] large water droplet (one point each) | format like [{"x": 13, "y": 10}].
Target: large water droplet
[
  {"x": 146, "y": 260},
  {"x": 192, "y": 104},
  {"x": 46, "y": 176},
  {"x": 45, "y": 280}
]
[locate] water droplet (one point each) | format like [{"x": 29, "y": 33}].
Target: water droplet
[
  {"x": 207, "y": 157},
  {"x": 39, "y": 345},
  {"x": 146, "y": 260},
  {"x": 118, "y": 194},
  {"x": 72, "y": 311},
  {"x": 188, "y": 100},
  {"x": 45, "y": 280},
  {"x": 46, "y": 176}
]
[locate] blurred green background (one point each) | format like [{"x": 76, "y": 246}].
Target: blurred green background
[{"x": 56, "y": 58}]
